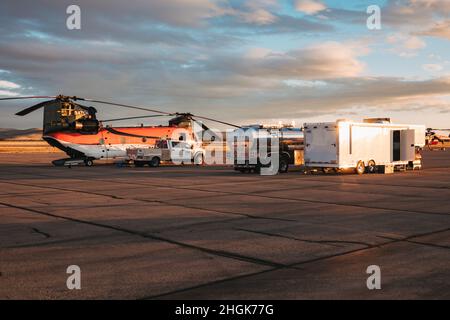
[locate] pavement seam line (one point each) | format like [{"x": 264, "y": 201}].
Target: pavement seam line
[{"x": 222, "y": 253}]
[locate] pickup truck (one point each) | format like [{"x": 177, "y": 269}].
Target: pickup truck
[{"x": 178, "y": 152}]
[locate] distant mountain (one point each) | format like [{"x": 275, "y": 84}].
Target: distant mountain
[{"x": 33, "y": 134}]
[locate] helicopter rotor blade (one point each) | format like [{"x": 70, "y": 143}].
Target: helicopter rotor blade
[
  {"x": 218, "y": 121},
  {"x": 121, "y": 105},
  {"x": 74, "y": 98},
  {"x": 138, "y": 117},
  {"x": 28, "y": 110},
  {"x": 29, "y": 97},
  {"x": 152, "y": 110}
]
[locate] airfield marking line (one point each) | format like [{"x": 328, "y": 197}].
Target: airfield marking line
[
  {"x": 166, "y": 202},
  {"x": 421, "y": 243},
  {"x": 114, "y": 228},
  {"x": 428, "y": 244},
  {"x": 253, "y": 181},
  {"x": 304, "y": 177},
  {"x": 290, "y": 266},
  {"x": 46, "y": 235},
  {"x": 245, "y": 215},
  {"x": 225, "y": 254},
  {"x": 52, "y": 242},
  {"x": 221, "y": 253},
  {"x": 270, "y": 234},
  {"x": 225, "y": 193}
]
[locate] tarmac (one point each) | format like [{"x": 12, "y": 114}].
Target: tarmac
[{"x": 191, "y": 232}]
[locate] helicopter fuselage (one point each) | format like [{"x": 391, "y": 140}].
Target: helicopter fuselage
[{"x": 105, "y": 144}]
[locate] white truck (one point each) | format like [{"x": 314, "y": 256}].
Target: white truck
[
  {"x": 369, "y": 146},
  {"x": 178, "y": 152}
]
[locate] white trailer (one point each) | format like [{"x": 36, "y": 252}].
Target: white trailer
[{"x": 364, "y": 146}]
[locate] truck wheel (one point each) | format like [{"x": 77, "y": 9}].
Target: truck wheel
[
  {"x": 154, "y": 162},
  {"x": 360, "y": 168},
  {"x": 371, "y": 167},
  {"x": 284, "y": 165},
  {"x": 88, "y": 163},
  {"x": 199, "y": 159},
  {"x": 139, "y": 164}
]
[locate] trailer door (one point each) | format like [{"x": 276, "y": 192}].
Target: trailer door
[
  {"x": 396, "y": 152},
  {"x": 321, "y": 144},
  {"x": 407, "y": 146}
]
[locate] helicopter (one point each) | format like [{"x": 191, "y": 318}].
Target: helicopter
[
  {"x": 435, "y": 140},
  {"x": 75, "y": 129}
]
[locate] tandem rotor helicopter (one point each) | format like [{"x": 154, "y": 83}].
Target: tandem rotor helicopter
[
  {"x": 75, "y": 129},
  {"x": 436, "y": 140}
]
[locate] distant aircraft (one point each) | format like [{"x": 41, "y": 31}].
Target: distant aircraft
[{"x": 437, "y": 141}]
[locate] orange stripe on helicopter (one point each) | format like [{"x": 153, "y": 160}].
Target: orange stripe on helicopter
[{"x": 105, "y": 137}]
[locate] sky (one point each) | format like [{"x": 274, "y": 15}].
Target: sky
[{"x": 245, "y": 62}]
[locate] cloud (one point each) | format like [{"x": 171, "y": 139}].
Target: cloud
[
  {"x": 409, "y": 17},
  {"x": 419, "y": 17},
  {"x": 322, "y": 61},
  {"x": 8, "y": 85},
  {"x": 432, "y": 67},
  {"x": 414, "y": 43},
  {"x": 233, "y": 60},
  {"x": 440, "y": 29},
  {"x": 7, "y": 93},
  {"x": 381, "y": 94},
  {"x": 257, "y": 12},
  {"x": 405, "y": 45},
  {"x": 295, "y": 83},
  {"x": 309, "y": 6}
]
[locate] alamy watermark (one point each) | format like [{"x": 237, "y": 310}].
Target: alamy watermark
[
  {"x": 374, "y": 20},
  {"x": 73, "y": 21},
  {"x": 73, "y": 281},
  {"x": 374, "y": 280}
]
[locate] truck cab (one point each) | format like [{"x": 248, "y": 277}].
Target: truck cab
[{"x": 167, "y": 150}]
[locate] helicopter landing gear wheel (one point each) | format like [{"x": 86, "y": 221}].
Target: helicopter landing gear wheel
[
  {"x": 371, "y": 167},
  {"x": 360, "y": 168}
]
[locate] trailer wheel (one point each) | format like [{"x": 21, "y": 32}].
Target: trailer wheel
[
  {"x": 154, "y": 162},
  {"x": 327, "y": 170},
  {"x": 360, "y": 168},
  {"x": 371, "y": 167},
  {"x": 88, "y": 162}
]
